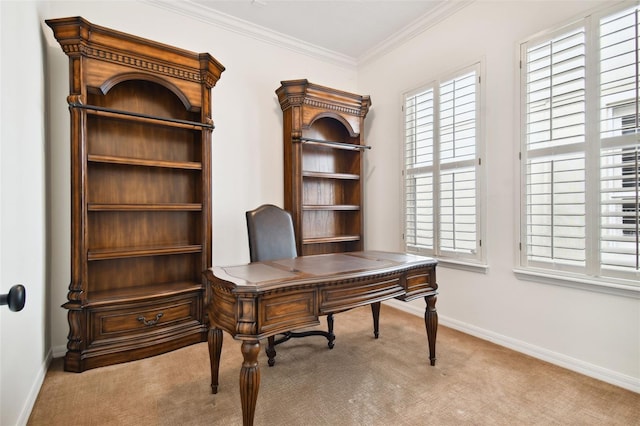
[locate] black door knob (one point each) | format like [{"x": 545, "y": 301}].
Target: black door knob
[{"x": 15, "y": 298}]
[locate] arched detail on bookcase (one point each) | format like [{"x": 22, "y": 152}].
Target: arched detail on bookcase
[
  {"x": 120, "y": 78},
  {"x": 335, "y": 116}
]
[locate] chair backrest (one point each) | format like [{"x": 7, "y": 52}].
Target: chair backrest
[{"x": 271, "y": 234}]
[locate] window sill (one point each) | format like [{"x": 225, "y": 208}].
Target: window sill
[
  {"x": 465, "y": 266},
  {"x": 545, "y": 277},
  {"x": 448, "y": 262}
]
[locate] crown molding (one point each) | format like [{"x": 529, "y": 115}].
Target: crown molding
[
  {"x": 249, "y": 29},
  {"x": 417, "y": 27}
]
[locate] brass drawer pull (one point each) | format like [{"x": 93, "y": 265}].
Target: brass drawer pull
[{"x": 149, "y": 323}]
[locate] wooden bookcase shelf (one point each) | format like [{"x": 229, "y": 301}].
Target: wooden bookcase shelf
[
  {"x": 93, "y": 110},
  {"x": 142, "y": 293},
  {"x": 334, "y": 144},
  {"x": 111, "y": 159},
  {"x": 142, "y": 251},
  {"x": 335, "y": 239},
  {"x": 332, "y": 207},
  {"x": 144, "y": 207},
  {"x": 323, "y": 150},
  {"x": 327, "y": 175},
  {"x": 140, "y": 193}
]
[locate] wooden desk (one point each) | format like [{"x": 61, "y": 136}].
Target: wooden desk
[{"x": 261, "y": 299}]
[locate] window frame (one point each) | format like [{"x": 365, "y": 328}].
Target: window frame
[
  {"x": 468, "y": 261},
  {"x": 590, "y": 276}
]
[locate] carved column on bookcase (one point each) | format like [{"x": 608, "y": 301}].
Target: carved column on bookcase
[
  {"x": 76, "y": 294},
  {"x": 293, "y": 162},
  {"x": 209, "y": 80},
  {"x": 292, "y": 134},
  {"x": 75, "y": 343},
  {"x": 295, "y": 169},
  {"x": 207, "y": 210}
]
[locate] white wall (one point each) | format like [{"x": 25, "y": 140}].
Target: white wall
[
  {"x": 24, "y": 341},
  {"x": 598, "y": 334}
]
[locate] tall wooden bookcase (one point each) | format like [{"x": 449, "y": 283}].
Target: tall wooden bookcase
[
  {"x": 323, "y": 149},
  {"x": 140, "y": 194}
]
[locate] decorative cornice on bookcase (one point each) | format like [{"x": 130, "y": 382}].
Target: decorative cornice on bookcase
[
  {"x": 299, "y": 92},
  {"x": 340, "y": 108},
  {"x": 131, "y": 61},
  {"x": 248, "y": 29},
  {"x": 80, "y": 38}
]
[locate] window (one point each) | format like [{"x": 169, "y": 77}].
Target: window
[
  {"x": 441, "y": 171},
  {"x": 580, "y": 149}
]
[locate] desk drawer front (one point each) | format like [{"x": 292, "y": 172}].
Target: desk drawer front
[
  {"x": 347, "y": 296},
  {"x": 283, "y": 312},
  {"x": 420, "y": 282}
]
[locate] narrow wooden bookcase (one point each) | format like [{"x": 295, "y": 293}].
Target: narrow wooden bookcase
[
  {"x": 323, "y": 149},
  {"x": 140, "y": 194}
]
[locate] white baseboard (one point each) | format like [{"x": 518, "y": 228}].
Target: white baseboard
[
  {"x": 573, "y": 364},
  {"x": 59, "y": 351},
  {"x": 23, "y": 418}
]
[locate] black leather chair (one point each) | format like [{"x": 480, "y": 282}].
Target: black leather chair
[{"x": 272, "y": 237}]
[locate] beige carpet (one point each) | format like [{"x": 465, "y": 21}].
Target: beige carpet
[{"x": 362, "y": 381}]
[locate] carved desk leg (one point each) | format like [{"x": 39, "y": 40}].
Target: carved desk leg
[
  {"x": 375, "y": 310},
  {"x": 215, "y": 348},
  {"x": 271, "y": 350},
  {"x": 431, "y": 323},
  {"x": 332, "y": 337},
  {"x": 249, "y": 380}
]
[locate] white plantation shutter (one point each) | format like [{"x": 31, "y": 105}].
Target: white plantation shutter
[
  {"x": 555, "y": 139},
  {"x": 619, "y": 244},
  {"x": 619, "y": 209},
  {"x": 556, "y": 209},
  {"x": 581, "y": 124},
  {"x": 458, "y": 211},
  {"x": 441, "y": 157},
  {"x": 457, "y": 164},
  {"x": 419, "y": 121},
  {"x": 618, "y": 53}
]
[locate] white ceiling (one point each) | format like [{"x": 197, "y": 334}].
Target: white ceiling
[{"x": 350, "y": 29}]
